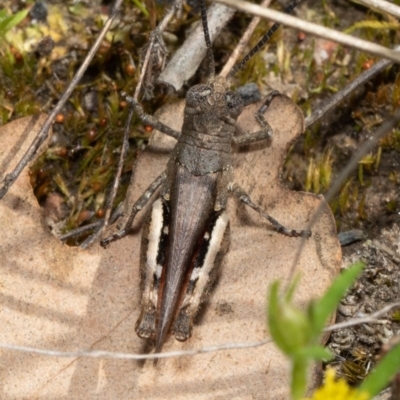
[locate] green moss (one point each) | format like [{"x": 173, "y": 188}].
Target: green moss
[
  {"x": 319, "y": 173},
  {"x": 392, "y": 205},
  {"x": 396, "y": 316}
]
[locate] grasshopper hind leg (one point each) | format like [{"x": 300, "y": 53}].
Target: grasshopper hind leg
[
  {"x": 152, "y": 257},
  {"x": 210, "y": 254}
]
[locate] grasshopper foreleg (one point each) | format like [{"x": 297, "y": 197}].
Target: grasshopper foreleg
[
  {"x": 245, "y": 198},
  {"x": 148, "y": 119},
  {"x": 139, "y": 204},
  {"x": 266, "y": 131}
]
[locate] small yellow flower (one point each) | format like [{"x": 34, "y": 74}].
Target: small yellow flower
[{"x": 337, "y": 389}]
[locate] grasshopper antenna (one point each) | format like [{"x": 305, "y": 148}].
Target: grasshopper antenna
[
  {"x": 210, "y": 55},
  {"x": 261, "y": 43}
]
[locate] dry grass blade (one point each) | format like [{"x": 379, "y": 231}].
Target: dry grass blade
[
  {"x": 242, "y": 43},
  {"x": 130, "y": 356},
  {"x": 384, "y": 6},
  {"x": 314, "y": 29},
  {"x": 368, "y": 319}
]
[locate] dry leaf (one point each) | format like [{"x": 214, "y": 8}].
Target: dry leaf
[{"x": 64, "y": 298}]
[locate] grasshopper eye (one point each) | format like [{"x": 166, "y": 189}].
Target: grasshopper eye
[
  {"x": 234, "y": 104},
  {"x": 197, "y": 95}
]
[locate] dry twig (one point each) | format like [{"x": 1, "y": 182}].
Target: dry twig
[{"x": 338, "y": 97}]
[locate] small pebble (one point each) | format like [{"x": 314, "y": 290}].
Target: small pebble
[
  {"x": 38, "y": 12},
  {"x": 249, "y": 93},
  {"x": 350, "y": 237}
]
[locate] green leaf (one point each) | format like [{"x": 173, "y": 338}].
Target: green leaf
[
  {"x": 8, "y": 22},
  {"x": 80, "y": 10},
  {"x": 141, "y": 7},
  {"x": 288, "y": 325},
  {"x": 296, "y": 332},
  {"x": 373, "y": 25},
  {"x": 383, "y": 373},
  {"x": 324, "y": 307},
  {"x": 3, "y": 14}
]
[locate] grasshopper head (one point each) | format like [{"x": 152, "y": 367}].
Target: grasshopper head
[{"x": 215, "y": 98}]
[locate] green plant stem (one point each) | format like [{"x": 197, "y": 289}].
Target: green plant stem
[{"x": 299, "y": 378}]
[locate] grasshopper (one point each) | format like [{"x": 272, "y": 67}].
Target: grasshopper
[{"x": 186, "y": 232}]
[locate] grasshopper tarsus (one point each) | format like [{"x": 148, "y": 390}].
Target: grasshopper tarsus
[
  {"x": 293, "y": 233},
  {"x": 146, "y": 324},
  {"x": 182, "y": 328},
  {"x": 106, "y": 241},
  {"x": 305, "y": 233}
]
